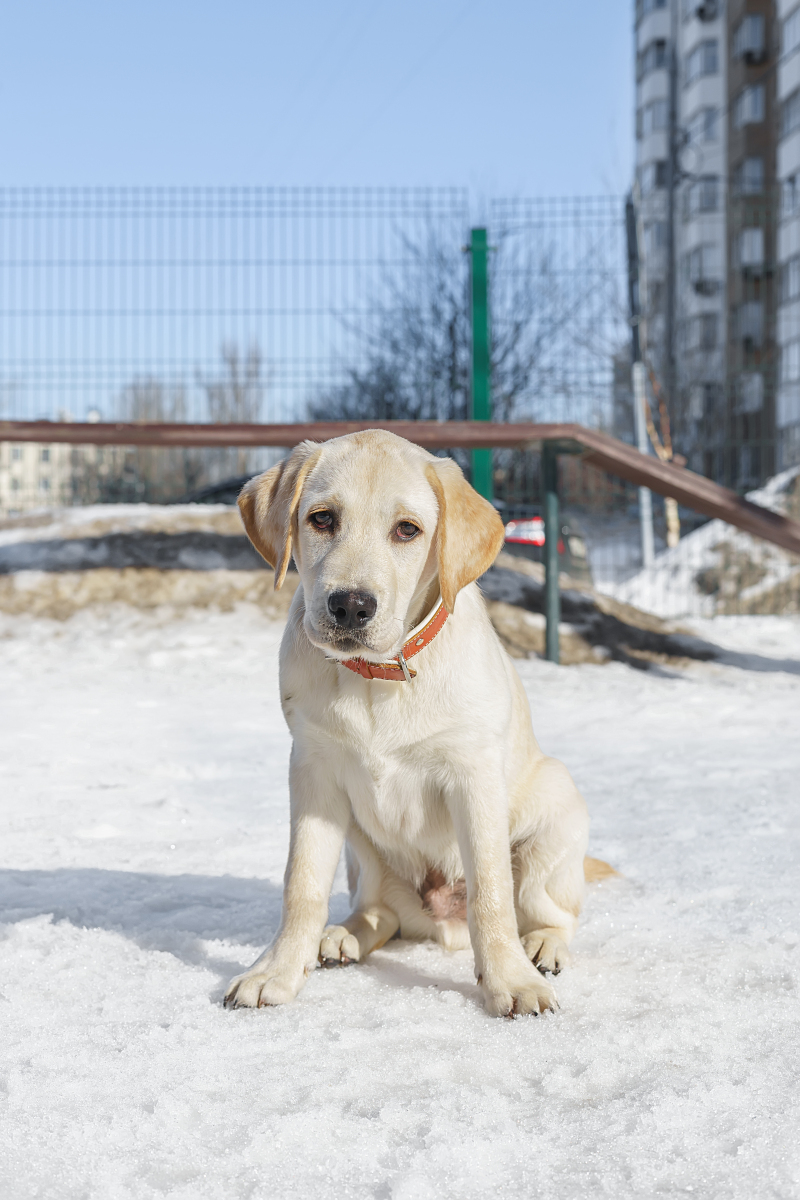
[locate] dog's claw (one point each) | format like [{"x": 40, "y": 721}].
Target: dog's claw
[
  {"x": 338, "y": 947},
  {"x": 330, "y": 963}
]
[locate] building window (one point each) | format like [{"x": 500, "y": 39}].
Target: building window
[
  {"x": 704, "y": 10},
  {"x": 704, "y": 400},
  {"x": 16, "y": 453},
  {"x": 751, "y": 322},
  {"x": 709, "y": 331},
  {"x": 655, "y": 236},
  {"x": 790, "y": 196},
  {"x": 44, "y": 485},
  {"x": 45, "y": 454},
  {"x": 703, "y": 60},
  {"x": 696, "y": 398},
  {"x": 750, "y": 392},
  {"x": 748, "y": 178},
  {"x": 701, "y": 269},
  {"x": 790, "y": 362},
  {"x": 702, "y": 127},
  {"x": 653, "y": 57},
  {"x": 702, "y": 195},
  {"x": 645, "y": 7},
  {"x": 749, "y": 106},
  {"x": 653, "y": 117},
  {"x": 15, "y": 485},
  {"x": 790, "y": 280},
  {"x": 751, "y": 247},
  {"x": 653, "y": 175},
  {"x": 749, "y": 41},
  {"x": 791, "y": 32},
  {"x": 790, "y": 113},
  {"x": 712, "y": 398},
  {"x": 703, "y": 332}
]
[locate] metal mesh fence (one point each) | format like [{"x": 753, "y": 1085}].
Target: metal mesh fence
[
  {"x": 276, "y": 304},
  {"x": 560, "y": 297},
  {"x": 197, "y": 303},
  {"x": 262, "y": 304}
]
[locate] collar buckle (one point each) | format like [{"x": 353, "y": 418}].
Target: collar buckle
[{"x": 404, "y": 668}]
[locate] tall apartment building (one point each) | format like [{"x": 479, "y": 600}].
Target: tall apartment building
[
  {"x": 787, "y": 407},
  {"x": 709, "y": 120}
]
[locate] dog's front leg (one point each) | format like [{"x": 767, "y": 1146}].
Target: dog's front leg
[
  {"x": 320, "y": 815},
  {"x": 510, "y": 982}
]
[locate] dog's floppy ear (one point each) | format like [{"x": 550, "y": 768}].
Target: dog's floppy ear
[
  {"x": 268, "y": 504},
  {"x": 470, "y": 532}
]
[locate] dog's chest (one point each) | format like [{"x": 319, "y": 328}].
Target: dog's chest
[
  {"x": 393, "y": 774},
  {"x": 394, "y": 800}
]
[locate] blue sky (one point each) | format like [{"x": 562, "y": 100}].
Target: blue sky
[{"x": 512, "y": 97}]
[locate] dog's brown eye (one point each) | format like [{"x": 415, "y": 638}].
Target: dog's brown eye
[
  {"x": 322, "y": 520},
  {"x": 407, "y": 530}
]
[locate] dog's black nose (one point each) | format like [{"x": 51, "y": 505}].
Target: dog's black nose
[{"x": 352, "y": 610}]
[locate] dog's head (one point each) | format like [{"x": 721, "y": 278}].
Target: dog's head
[{"x": 375, "y": 525}]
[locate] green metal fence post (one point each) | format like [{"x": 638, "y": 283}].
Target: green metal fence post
[
  {"x": 552, "y": 534},
  {"x": 481, "y": 399}
]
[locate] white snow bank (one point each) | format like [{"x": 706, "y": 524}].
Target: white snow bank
[
  {"x": 144, "y": 815},
  {"x": 718, "y": 568},
  {"x": 741, "y": 570},
  {"x": 774, "y": 492},
  {"x": 97, "y": 520}
]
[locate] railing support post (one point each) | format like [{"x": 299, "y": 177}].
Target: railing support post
[
  {"x": 645, "y": 499},
  {"x": 481, "y": 398},
  {"x": 552, "y": 534}
]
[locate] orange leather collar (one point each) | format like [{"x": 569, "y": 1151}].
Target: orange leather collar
[{"x": 417, "y": 640}]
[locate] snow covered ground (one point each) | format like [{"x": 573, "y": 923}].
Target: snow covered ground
[{"x": 143, "y": 802}]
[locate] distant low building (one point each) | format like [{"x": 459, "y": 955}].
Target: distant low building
[{"x": 33, "y": 476}]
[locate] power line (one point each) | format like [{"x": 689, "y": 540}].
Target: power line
[
  {"x": 342, "y": 59},
  {"x": 401, "y": 87}
]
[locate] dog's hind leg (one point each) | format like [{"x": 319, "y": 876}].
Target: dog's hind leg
[
  {"x": 546, "y": 927},
  {"x": 549, "y": 875},
  {"x": 363, "y": 931},
  {"x": 371, "y": 923}
]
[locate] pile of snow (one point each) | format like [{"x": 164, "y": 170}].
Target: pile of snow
[
  {"x": 200, "y": 533},
  {"x": 144, "y": 812},
  {"x": 98, "y": 520},
  {"x": 720, "y": 570}
]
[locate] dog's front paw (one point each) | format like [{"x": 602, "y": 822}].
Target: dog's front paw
[
  {"x": 338, "y": 947},
  {"x": 546, "y": 950},
  {"x": 260, "y": 988},
  {"x": 523, "y": 993}
]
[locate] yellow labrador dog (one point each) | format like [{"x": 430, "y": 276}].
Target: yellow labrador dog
[{"x": 412, "y": 732}]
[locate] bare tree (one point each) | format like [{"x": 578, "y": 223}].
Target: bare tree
[
  {"x": 141, "y": 474},
  {"x": 416, "y": 362},
  {"x": 553, "y": 336},
  {"x": 417, "y": 352},
  {"x": 155, "y": 474},
  {"x": 235, "y": 398}
]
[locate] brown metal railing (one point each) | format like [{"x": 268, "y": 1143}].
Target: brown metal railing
[
  {"x": 598, "y": 449},
  {"x": 618, "y": 458}
]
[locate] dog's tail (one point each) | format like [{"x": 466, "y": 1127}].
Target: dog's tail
[{"x": 594, "y": 869}]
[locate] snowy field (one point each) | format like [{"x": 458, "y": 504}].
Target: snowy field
[{"x": 144, "y": 816}]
